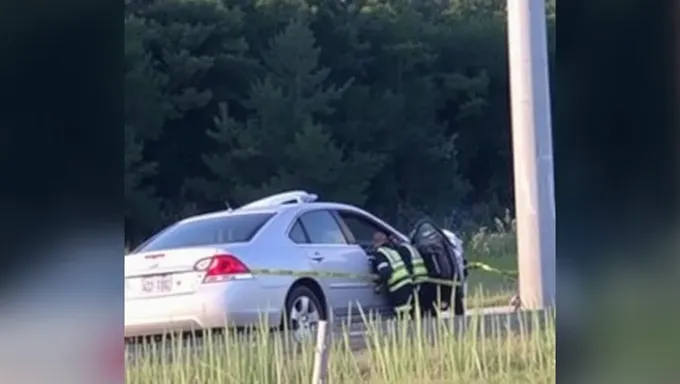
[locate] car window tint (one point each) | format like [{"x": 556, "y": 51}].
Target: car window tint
[
  {"x": 322, "y": 228},
  {"x": 220, "y": 230},
  {"x": 297, "y": 233},
  {"x": 362, "y": 227}
]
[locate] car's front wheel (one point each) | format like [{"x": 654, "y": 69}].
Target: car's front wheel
[{"x": 303, "y": 313}]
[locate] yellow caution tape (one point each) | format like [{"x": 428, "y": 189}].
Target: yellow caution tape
[
  {"x": 488, "y": 268},
  {"x": 286, "y": 272},
  {"x": 371, "y": 278}
]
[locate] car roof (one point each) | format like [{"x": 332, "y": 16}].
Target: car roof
[
  {"x": 267, "y": 210},
  {"x": 274, "y": 204},
  {"x": 227, "y": 213},
  {"x": 290, "y": 201}
]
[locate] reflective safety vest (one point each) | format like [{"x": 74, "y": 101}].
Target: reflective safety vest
[
  {"x": 419, "y": 269},
  {"x": 400, "y": 275}
]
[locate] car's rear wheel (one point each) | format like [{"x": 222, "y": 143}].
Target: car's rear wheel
[{"x": 303, "y": 313}]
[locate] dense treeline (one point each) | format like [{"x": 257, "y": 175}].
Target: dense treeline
[{"x": 397, "y": 105}]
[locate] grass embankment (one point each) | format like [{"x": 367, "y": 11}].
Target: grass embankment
[
  {"x": 485, "y": 353},
  {"x": 496, "y": 247}
]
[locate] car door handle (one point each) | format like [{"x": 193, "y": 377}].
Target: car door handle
[{"x": 316, "y": 256}]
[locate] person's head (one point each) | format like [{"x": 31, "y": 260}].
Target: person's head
[{"x": 379, "y": 239}]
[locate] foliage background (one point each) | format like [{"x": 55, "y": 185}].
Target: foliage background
[{"x": 401, "y": 106}]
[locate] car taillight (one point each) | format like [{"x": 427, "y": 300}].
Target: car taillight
[{"x": 220, "y": 267}]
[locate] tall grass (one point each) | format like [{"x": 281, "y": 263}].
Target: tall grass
[
  {"x": 497, "y": 247},
  {"x": 499, "y": 241},
  {"x": 391, "y": 352}
]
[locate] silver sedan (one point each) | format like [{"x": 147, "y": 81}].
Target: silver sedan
[{"x": 204, "y": 272}]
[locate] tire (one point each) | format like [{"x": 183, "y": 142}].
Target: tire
[{"x": 303, "y": 312}]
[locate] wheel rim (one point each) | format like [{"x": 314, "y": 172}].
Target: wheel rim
[{"x": 304, "y": 317}]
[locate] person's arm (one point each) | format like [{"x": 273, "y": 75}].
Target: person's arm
[{"x": 382, "y": 267}]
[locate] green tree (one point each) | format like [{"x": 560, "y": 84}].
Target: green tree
[
  {"x": 402, "y": 105},
  {"x": 282, "y": 146},
  {"x": 474, "y": 75},
  {"x": 141, "y": 204},
  {"x": 200, "y": 48},
  {"x": 146, "y": 109},
  {"x": 147, "y": 106},
  {"x": 395, "y": 114}
]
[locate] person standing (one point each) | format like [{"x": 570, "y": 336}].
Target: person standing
[
  {"x": 423, "y": 290},
  {"x": 392, "y": 275}
]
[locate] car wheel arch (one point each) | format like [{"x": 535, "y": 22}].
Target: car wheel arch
[{"x": 312, "y": 285}]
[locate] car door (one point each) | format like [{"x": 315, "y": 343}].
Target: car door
[
  {"x": 328, "y": 250},
  {"x": 443, "y": 262},
  {"x": 361, "y": 228}
]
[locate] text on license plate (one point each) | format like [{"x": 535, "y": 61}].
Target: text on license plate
[{"x": 156, "y": 284}]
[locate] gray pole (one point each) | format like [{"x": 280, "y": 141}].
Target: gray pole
[
  {"x": 320, "y": 372},
  {"x": 532, "y": 148}
]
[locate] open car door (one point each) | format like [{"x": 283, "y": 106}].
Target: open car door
[{"x": 439, "y": 255}]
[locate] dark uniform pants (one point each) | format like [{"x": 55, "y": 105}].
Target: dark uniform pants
[
  {"x": 426, "y": 298},
  {"x": 402, "y": 301}
]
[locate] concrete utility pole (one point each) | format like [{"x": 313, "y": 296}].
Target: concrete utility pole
[
  {"x": 320, "y": 372},
  {"x": 532, "y": 148}
]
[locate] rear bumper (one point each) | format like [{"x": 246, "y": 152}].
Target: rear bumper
[{"x": 236, "y": 303}]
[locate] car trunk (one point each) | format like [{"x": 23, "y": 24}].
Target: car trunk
[{"x": 164, "y": 273}]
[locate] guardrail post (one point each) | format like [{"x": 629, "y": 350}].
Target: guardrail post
[{"x": 320, "y": 374}]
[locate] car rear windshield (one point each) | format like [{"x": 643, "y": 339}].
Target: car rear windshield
[{"x": 220, "y": 230}]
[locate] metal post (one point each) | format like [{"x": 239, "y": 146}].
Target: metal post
[
  {"x": 532, "y": 151},
  {"x": 320, "y": 374}
]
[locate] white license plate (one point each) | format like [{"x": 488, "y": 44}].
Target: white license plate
[
  {"x": 154, "y": 285},
  {"x": 150, "y": 285}
]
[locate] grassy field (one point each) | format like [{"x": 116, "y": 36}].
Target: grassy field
[
  {"x": 496, "y": 247},
  {"x": 483, "y": 354}
]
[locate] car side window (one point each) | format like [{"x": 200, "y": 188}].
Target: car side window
[
  {"x": 322, "y": 228},
  {"x": 298, "y": 234},
  {"x": 362, "y": 227}
]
